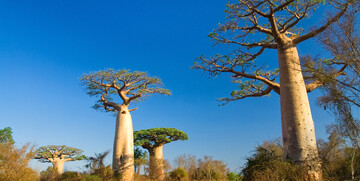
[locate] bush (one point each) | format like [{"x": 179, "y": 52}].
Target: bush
[
  {"x": 14, "y": 163},
  {"x": 91, "y": 178},
  {"x": 50, "y": 174},
  {"x": 178, "y": 174},
  {"x": 70, "y": 176},
  {"x": 267, "y": 164},
  {"x": 232, "y": 176}
]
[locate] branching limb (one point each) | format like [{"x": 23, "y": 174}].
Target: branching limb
[
  {"x": 69, "y": 159},
  {"x": 282, "y": 6},
  {"x": 274, "y": 86},
  {"x": 133, "y": 109},
  {"x": 235, "y": 95},
  {"x": 108, "y": 103},
  {"x": 239, "y": 68},
  {"x": 318, "y": 81},
  {"x": 286, "y": 26},
  {"x": 120, "y": 90},
  {"x": 249, "y": 45},
  {"x": 322, "y": 28}
]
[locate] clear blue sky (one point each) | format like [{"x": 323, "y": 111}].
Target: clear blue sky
[{"x": 46, "y": 46}]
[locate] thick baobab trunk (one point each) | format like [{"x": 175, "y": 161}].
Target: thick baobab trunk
[
  {"x": 297, "y": 124},
  {"x": 156, "y": 163},
  {"x": 123, "y": 154},
  {"x": 58, "y": 165}
]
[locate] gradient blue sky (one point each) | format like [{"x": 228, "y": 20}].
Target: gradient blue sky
[{"x": 46, "y": 46}]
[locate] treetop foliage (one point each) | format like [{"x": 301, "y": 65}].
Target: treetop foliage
[
  {"x": 50, "y": 152},
  {"x": 256, "y": 25},
  {"x": 128, "y": 85},
  {"x": 155, "y": 137},
  {"x": 6, "y": 136}
]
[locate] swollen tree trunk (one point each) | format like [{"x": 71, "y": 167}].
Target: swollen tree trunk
[
  {"x": 156, "y": 163},
  {"x": 58, "y": 165},
  {"x": 123, "y": 154},
  {"x": 297, "y": 124}
]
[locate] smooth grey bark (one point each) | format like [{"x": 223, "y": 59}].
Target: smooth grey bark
[{"x": 123, "y": 155}]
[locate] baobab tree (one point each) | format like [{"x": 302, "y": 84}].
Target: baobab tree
[
  {"x": 129, "y": 87},
  {"x": 255, "y": 26},
  {"x": 58, "y": 155},
  {"x": 154, "y": 140}
]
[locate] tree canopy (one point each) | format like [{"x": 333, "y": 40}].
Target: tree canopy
[
  {"x": 6, "y": 135},
  {"x": 48, "y": 153},
  {"x": 254, "y": 26},
  {"x": 155, "y": 137},
  {"x": 129, "y": 86}
]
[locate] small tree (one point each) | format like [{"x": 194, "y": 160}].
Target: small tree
[
  {"x": 210, "y": 169},
  {"x": 141, "y": 158},
  {"x": 332, "y": 154},
  {"x": 58, "y": 155},
  {"x": 188, "y": 162},
  {"x": 97, "y": 166},
  {"x": 129, "y": 86},
  {"x": 153, "y": 140},
  {"x": 6, "y": 135}
]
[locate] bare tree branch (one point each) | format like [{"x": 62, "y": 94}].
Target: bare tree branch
[
  {"x": 322, "y": 28},
  {"x": 274, "y": 86},
  {"x": 108, "y": 103}
]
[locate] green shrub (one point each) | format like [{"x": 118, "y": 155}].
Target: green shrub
[
  {"x": 50, "y": 174},
  {"x": 267, "y": 164},
  {"x": 232, "y": 176},
  {"x": 91, "y": 178},
  {"x": 70, "y": 176},
  {"x": 178, "y": 174}
]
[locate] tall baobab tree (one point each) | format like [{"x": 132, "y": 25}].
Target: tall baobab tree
[
  {"x": 154, "y": 140},
  {"x": 129, "y": 87},
  {"x": 255, "y": 26},
  {"x": 58, "y": 155}
]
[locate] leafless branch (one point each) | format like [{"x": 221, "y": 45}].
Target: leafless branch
[{"x": 322, "y": 28}]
